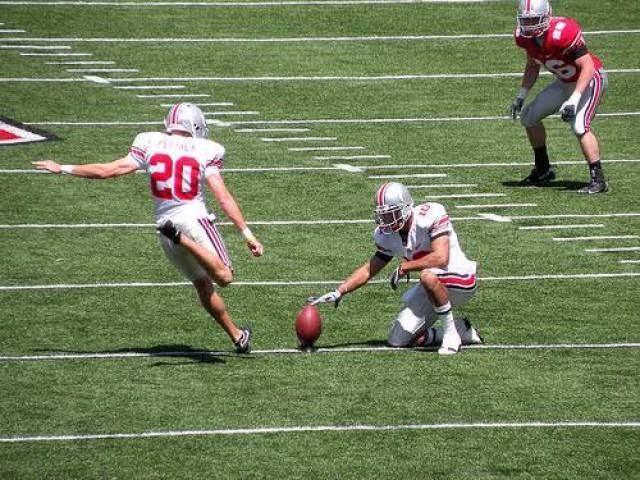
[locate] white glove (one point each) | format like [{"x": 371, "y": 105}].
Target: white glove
[
  {"x": 396, "y": 276},
  {"x": 518, "y": 102},
  {"x": 569, "y": 108},
  {"x": 331, "y": 297}
]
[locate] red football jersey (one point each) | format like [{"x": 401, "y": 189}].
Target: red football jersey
[{"x": 563, "y": 37}]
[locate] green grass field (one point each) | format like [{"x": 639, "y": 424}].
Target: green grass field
[{"x": 109, "y": 368}]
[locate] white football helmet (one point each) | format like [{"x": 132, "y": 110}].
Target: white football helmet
[
  {"x": 393, "y": 207},
  {"x": 533, "y": 17},
  {"x": 186, "y": 117}
]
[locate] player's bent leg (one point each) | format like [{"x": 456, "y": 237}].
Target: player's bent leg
[
  {"x": 581, "y": 126},
  {"x": 214, "y": 305},
  {"x": 442, "y": 306},
  {"x": 217, "y": 270},
  {"x": 412, "y": 320}
]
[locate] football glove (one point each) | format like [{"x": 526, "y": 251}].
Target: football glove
[
  {"x": 331, "y": 297},
  {"x": 569, "y": 108},
  {"x": 516, "y": 106},
  {"x": 396, "y": 276},
  {"x": 169, "y": 230}
]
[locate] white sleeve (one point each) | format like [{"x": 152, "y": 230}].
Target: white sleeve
[
  {"x": 440, "y": 223},
  {"x": 138, "y": 151},
  {"x": 215, "y": 162}
]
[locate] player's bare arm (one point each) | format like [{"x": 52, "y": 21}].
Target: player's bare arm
[
  {"x": 437, "y": 258},
  {"x": 363, "y": 274},
  {"x": 587, "y": 70},
  {"x": 99, "y": 171},
  {"x": 357, "y": 279},
  {"x": 232, "y": 210},
  {"x": 529, "y": 77},
  {"x": 530, "y": 74}
]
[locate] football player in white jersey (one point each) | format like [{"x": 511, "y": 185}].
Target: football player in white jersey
[
  {"x": 179, "y": 163},
  {"x": 424, "y": 238}
]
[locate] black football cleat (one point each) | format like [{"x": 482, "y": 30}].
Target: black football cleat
[
  {"x": 538, "y": 178},
  {"x": 243, "y": 344},
  {"x": 595, "y": 186}
]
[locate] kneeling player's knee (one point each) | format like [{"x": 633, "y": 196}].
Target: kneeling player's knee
[{"x": 428, "y": 279}]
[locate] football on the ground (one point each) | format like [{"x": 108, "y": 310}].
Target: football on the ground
[{"x": 308, "y": 325}]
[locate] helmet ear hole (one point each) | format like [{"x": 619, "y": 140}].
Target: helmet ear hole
[{"x": 186, "y": 117}]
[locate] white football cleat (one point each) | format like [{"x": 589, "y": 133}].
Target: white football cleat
[{"x": 450, "y": 343}]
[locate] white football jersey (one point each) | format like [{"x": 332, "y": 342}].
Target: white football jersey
[
  {"x": 429, "y": 221},
  {"x": 177, "y": 167}
]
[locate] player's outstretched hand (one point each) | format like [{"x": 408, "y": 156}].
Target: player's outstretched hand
[
  {"x": 255, "y": 247},
  {"x": 516, "y": 107},
  {"x": 169, "y": 230},
  {"x": 331, "y": 297},
  {"x": 397, "y": 275},
  {"x": 48, "y": 165}
]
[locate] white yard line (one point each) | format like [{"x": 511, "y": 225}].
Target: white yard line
[
  {"x": 348, "y": 168},
  {"x": 56, "y": 54},
  {"x": 286, "y": 283},
  {"x": 11, "y": 31},
  {"x": 500, "y": 205},
  {"x": 171, "y": 95},
  {"x": 96, "y": 79},
  {"x": 299, "y": 139},
  {"x": 576, "y": 215},
  {"x": 271, "y": 3},
  {"x": 366, "y": 38},
  {"x": 230, "y": 112},
  {"x": 322, "y": 149},
  {"x": 298, "y": 169},
  {"x": 606, "y": 250},
  {"x": 35, "y": 47},
  {"x": 629, "y": 261},
  {"x": 151, "y": 87},
  {"x": 325, "y": 78},
  {"x": 595, "y": 238},
  {"x": 467, "y": 195},
  {"x": 330, "y": 121},
  {"x": 444, "y": 185},
  {"x": 303, "y": 78},
  {"x": 101, "y": 70},
  {"x": 263, "y": 130},
  {"x": 352, "y": 157},
  {"x": 200, "y": 104},
  {"x": 561, "y": 227},
  {"x": 88, "y": 62},
  {"x": 408, "y": 175},
  {"x": 295, "y": 351},
  {"x": 297, "y": 429}
]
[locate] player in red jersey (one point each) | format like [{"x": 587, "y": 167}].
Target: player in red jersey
[{"x": 557, "y": 43}]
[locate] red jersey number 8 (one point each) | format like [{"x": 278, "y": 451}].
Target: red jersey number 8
[{"x": 175, "y": 170}]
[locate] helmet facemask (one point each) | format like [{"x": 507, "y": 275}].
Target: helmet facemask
[
  {"x": 393, "y": 207},
  {"x": 533, "y": 17}
]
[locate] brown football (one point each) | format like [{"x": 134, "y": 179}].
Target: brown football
[{"x": 308, "y": 325}]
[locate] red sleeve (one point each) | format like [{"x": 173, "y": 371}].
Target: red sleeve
[{"x": 567, "y": 35}]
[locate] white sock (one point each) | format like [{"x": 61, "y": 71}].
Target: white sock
[{"x": 446, "y": 317}]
